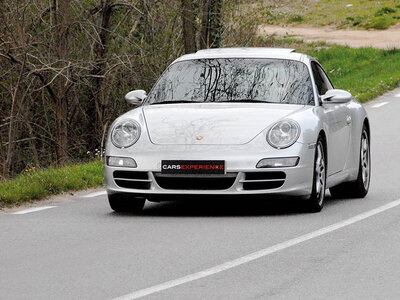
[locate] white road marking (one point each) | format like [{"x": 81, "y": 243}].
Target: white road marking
[
  {"x": 95, "y": 194},
  {"x": 259, "y": 254},
  {"x": 397, "y": 95},
  {"x": 379, "y": 105},
  {"x": 30, "y": 210}
]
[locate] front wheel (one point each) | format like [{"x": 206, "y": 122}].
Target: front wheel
[
  {"x": 126, "y": 203},
  {"x": 360, "y": 187},
  {"x": 316, "y": 200}
]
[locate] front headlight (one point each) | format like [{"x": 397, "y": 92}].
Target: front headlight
[
  {"x": 125, "y": 133},
  {"x": 283, "y": 134}
]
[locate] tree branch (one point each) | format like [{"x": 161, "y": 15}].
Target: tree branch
[{"x": 40, "y": 76}]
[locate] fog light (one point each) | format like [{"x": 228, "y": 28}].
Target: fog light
[
  {"x": 278, "y": 162},
  {"x": 121, "y": 162}
]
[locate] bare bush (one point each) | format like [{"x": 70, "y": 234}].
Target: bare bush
[{"x": 65, "y": 66}]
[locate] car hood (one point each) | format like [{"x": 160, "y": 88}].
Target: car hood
[{"x": 212, "y": 123}]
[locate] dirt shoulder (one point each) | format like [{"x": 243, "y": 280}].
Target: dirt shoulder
[
  {"x": 52, "y": 200},
  {"x": 386, "y": 39}
]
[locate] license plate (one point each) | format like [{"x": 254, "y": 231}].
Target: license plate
[{"x": 193, "y": 167}]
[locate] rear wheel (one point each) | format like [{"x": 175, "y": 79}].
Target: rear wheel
[
  {"x": 360, "y": 187},
  {"x": 316, "y": 200},
  {"x": 126, "y": 203}
]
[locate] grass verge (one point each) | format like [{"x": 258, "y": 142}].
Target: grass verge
[
  {"x": 36, "y": 185},
  {"x": 339, "y": 13},
  {"x": 365, "y": 72}
]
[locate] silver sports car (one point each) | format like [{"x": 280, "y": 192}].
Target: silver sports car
[{"x": 239, "y": 122}]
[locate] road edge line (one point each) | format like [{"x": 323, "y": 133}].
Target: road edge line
[
  {"x": 95, "y": 194},
  {"x": 31, "y": 210}
]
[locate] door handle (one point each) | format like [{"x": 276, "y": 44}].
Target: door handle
[{"x": 348, "y": 120}]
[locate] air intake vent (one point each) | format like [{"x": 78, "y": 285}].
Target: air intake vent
[
  {"x": 132, "y": 180},
  {"x": 171, "y": 182},
  {"x": 263, "y": 180}
]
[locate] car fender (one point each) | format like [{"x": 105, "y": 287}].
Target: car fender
[{"x": 358, "y": 116}]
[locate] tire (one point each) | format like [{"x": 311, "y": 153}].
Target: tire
[
  {"x": 360, "y": 187},
  {"x": 316, "y": 201},
  {"x": 126, "y": 203}
]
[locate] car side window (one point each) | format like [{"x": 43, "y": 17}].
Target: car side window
[
  {"x": 325, "y": 77},
  {"x": 321, "y": 80}
]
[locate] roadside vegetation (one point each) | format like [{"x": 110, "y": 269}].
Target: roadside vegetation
[
  {"x": 35, "y": 184},
  {"x": 365, "y": 72},
  {"x": 65, "y": 66},
  {"x": 357, "y": 14}
]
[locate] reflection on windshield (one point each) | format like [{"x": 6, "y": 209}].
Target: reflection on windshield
[{"x": 235, "y": 79}]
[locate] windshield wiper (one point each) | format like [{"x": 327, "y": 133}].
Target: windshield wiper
[{"x": 173, "y": 102}]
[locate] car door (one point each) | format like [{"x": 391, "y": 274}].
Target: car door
[{"x": 338, "y": 122}]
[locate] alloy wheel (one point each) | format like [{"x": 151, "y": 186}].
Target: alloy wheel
[
  {"x": 320, "y": 174},
  {"x": 365, "y": 160}
]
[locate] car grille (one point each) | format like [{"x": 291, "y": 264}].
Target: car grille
[
  {"x": 132, "y": 179},
  {"x": 200, "y": 182},
  {"x": 263, "y": 180}
]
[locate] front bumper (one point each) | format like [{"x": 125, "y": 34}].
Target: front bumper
[{"x": 240, "y": 161}]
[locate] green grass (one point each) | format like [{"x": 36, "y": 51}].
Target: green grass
[
  {"x": 365, "y": 72},
  {"x": 296, "y": 18},
  {"x": 384, "y": 11},
  {"x": 364, "y": 14},
  {"x": 36, "y": 185}
]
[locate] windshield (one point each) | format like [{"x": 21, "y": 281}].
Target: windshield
[{"x": 234, "y": 80}]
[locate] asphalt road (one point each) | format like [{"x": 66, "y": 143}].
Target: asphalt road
[{"x": 80, "y": 249}]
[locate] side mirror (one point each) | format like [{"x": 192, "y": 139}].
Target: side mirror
[
  {"x": 136, "y": 96},
  {"x": 336, "y": 96}
]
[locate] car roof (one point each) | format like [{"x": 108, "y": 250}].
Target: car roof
[{"x": 279, "y": 53}]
